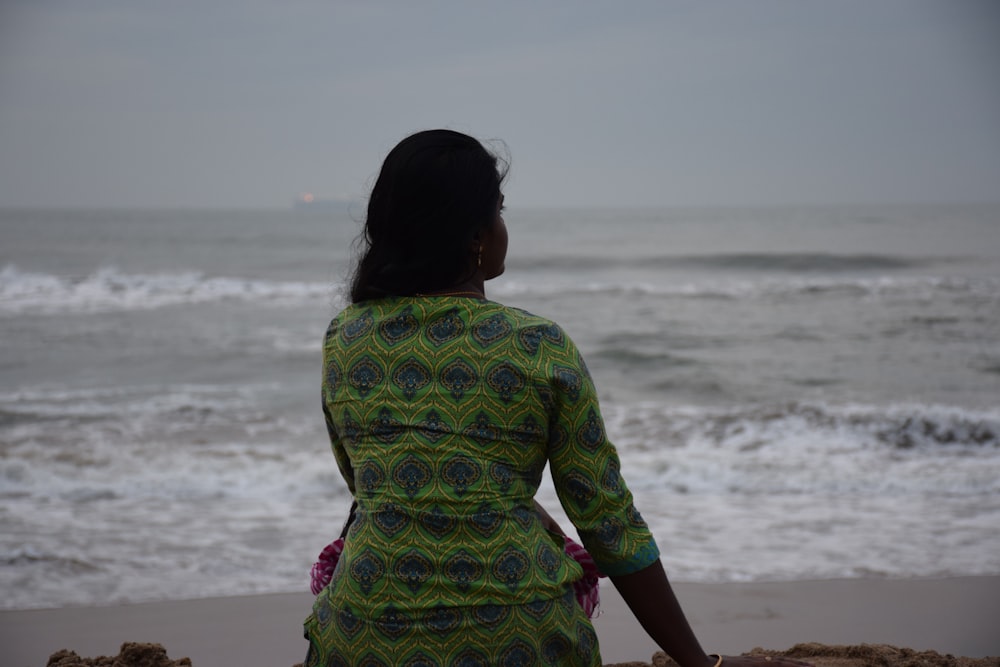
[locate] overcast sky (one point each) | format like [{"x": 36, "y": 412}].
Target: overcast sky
[{"x": 246, "y": 103}]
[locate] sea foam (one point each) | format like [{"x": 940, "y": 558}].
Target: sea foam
[{"x": 108, "y": 290}]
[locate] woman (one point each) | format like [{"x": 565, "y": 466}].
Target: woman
[{"x": 443, "y": 409}]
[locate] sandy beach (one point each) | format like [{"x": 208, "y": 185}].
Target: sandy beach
[{"x": 955, "y": 616}]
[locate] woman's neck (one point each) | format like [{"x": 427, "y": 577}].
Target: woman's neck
[{"x": 471, "y": 288}]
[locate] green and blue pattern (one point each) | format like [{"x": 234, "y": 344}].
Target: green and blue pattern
[{"x": 443, "y": 413}]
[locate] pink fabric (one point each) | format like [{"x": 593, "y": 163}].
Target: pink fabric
[
  {"x": 585, "y": 588},
  {"x": 322, "y": 569}
]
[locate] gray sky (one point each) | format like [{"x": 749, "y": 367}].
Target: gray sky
[{"x": 246, "y": 103}]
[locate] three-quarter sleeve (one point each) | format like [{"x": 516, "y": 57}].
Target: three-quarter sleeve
[{"x": 585, "y": 466}]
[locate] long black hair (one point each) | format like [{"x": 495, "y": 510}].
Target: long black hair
[{"x": 435, "y": 191}]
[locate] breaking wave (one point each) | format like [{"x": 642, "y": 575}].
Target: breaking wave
[{"x": 108, "y": 289}]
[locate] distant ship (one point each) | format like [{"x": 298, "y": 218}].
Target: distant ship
[{"x": 307, "y": 201}]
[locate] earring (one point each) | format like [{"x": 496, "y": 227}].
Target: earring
[{"x": 479, "y": 258}]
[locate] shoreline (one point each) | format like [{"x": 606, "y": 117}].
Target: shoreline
[{"x": 956, "y": 615}]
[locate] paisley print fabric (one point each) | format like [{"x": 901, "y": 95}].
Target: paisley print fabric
[{"x": 443, "y": 413}]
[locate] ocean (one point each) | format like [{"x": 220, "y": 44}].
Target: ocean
[{"x": 796, "y": 393}]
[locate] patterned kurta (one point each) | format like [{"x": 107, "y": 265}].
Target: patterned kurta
[{"x": 443, "y": 412}]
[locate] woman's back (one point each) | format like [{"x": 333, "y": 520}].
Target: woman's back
[{"x": 439, "y": 410}]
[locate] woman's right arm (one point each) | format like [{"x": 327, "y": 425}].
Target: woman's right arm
[
  {"x": 584, "y": 466},
  {"x": 651, "y": 598}
]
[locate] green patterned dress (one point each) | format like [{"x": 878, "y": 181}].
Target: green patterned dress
[{"x": 443, "y": 412}]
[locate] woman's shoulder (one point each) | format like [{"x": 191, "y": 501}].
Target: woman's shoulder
[
  {"x": 523, "y": 319},
  {"x": 535, "y": 332},
  {"x": 353, "y": 316}
]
